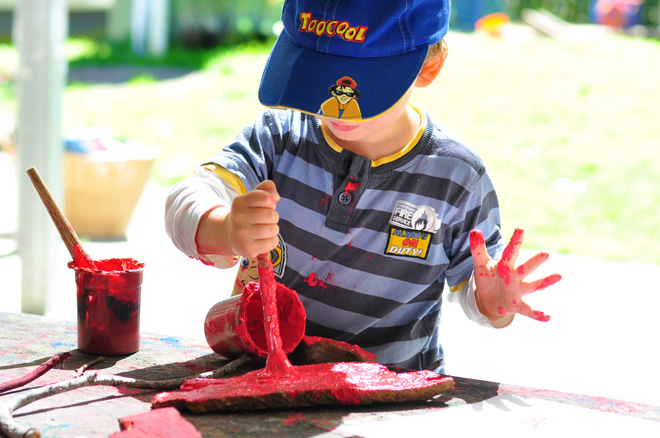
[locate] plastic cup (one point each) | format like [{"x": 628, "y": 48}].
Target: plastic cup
[
  {"x": 235, "y": 326},
  {"x": 109, "y": 306}
]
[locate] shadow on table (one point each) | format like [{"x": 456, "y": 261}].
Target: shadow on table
[{"x": 303, "y": 421}]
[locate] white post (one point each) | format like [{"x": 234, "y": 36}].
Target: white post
[
  {"x": 119, "y": 20},
  {"x": 139, "y": 19},
  {"x": 159, "y": 27},
  {"x": 40, "y": 30}
]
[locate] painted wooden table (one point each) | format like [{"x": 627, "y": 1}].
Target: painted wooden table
[{"x": 474, "y": 406}]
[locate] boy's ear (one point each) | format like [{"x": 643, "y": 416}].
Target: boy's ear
[{"x": 430, "y": 70}]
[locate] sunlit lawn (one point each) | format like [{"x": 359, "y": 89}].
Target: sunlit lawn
[{"x": 570, "y": 133}]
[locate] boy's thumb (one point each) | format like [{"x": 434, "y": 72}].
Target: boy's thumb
[{"x": 269, "y": 187}]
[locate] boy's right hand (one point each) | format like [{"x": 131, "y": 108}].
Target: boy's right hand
[
  {"x": 251, "y": 225},
  {"x": 248, "y": 228}
]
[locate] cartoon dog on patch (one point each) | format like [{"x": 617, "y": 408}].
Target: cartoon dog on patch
[{"x": 343, "y": 103}]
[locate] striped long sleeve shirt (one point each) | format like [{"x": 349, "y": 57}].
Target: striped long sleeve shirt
[{"x": 368, "y": 246}]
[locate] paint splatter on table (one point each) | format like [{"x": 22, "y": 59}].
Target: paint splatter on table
[{"x": 26, "y": 341}]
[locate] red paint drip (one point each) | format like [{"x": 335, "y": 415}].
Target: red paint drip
[
  {"x": 351, "y": 187},
  {"x": 277, "y": 364}
]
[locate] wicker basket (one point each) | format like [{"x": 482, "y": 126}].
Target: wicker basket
[{"x": 100, "y": 196}]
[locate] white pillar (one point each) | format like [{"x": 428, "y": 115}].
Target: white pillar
[
  {"x": 119, "y": 20},
  {"x": 150, "y": 23},
  {"x": 159, "y": 21},
  {"x": 40, "y": 30}
]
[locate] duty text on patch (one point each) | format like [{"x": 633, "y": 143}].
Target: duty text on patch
[{"x": 408, "y": 243}]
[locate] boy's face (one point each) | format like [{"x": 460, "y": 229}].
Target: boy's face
[{"x": 372, "y": 131}]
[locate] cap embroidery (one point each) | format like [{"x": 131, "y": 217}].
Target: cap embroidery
[
  {"x": 343, "y": 103},
  {"x": 332, "y": 28}
]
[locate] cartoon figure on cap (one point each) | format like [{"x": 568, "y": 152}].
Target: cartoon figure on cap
[{"x": 343, "y": 103}]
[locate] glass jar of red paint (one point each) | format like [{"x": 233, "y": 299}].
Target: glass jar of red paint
[{"x": 109, "y": 306}]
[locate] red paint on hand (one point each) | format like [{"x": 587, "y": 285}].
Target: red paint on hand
[
  {"x": 514, "y": 243},
  {"x": 504, "y": 271},
  {"x": 476, "y": 239},
  {"x": 540, "y": 316},
  {"x": 548, "y": 281}
]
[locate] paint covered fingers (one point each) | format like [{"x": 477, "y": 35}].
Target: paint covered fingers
[{"x": 500, "y": 285}]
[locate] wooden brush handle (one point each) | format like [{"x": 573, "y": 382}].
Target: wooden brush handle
[{"x": 62, "y": 224}]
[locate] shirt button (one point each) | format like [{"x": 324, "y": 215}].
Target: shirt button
[{"x": 345, "y": 198}]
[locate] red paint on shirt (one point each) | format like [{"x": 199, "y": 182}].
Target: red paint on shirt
[
  {"x": 351, "y": 187},
  {"x": 312, "y": 280}
]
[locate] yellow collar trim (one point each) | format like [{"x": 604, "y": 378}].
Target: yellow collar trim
[{"x": 407, "y": 148}]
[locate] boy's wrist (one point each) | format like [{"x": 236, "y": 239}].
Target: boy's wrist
[
  {"x": 212, "y": 234},
  {"x": 497, "y": 321}
]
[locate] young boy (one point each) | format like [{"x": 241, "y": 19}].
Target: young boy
[{"x": 367, "y": 204}]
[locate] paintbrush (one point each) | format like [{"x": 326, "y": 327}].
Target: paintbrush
[{"x": 69, "y": 236}]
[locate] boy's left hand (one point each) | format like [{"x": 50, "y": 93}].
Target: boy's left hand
[{"x": 499, "y": 284}]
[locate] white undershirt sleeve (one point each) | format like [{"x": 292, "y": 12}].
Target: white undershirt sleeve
[
  {"x": 465, "y": 296},
  {"x": 187, "y": 202}
]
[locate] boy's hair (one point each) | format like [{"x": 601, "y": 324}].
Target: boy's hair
[
  {"x": 438, "y": 49},
  {"x": 380, "y": 44}
]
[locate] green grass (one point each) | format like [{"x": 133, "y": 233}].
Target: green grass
[{"x": 570, "y": 133}]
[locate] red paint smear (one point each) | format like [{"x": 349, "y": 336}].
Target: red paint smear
[
  {"x": 80, "y": 259},
  {"x": 351, "y": 187},
  {"x": 277, "y": 364},
  {"x": 540, "y": 316},
  {"x": 501, "y": 311},
  {"x": 293, "y": 418},
  {"x": 476, "y": 239},
  {"x": 348, "y": 383},
  {"x": 548, "y": 281},
  {"x": 312, "y": 280},
  {"x": 505, "y": 272},
  {"x": 516, "y": 240},
  {"x": 521, "y": 270},
  {"x": 156, "y": 423}
]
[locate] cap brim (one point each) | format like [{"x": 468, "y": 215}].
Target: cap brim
[{"x": 299, "y": 79}]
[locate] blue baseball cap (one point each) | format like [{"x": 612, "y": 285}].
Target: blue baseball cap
[{"x": 350, "y": 59}]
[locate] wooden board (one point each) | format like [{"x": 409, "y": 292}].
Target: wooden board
[{"x": 345, "y": 383}]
